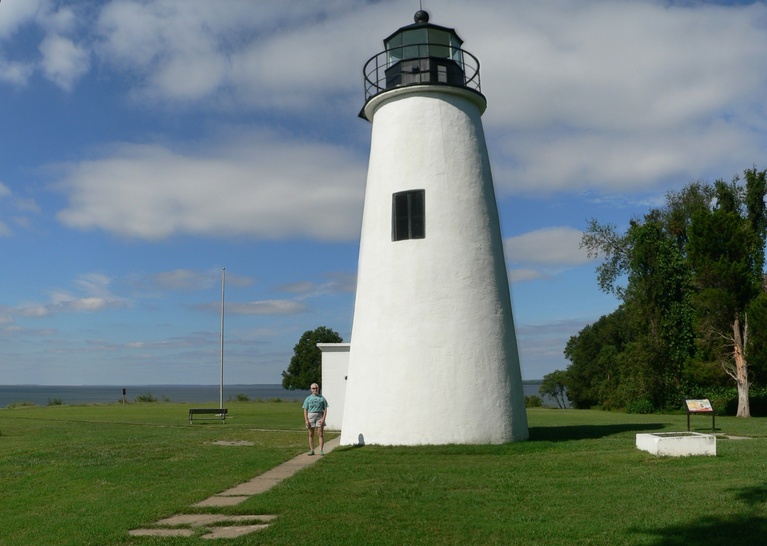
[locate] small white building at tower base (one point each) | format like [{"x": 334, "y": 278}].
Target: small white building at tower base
[{"x": 335, "y": 368}]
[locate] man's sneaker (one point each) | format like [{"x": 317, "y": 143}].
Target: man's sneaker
[
  {"x": 322, "y": 452},
  {"x": 311, "y": 452}
]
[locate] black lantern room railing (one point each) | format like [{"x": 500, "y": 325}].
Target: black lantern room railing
[{"x": 416, "y": 64}]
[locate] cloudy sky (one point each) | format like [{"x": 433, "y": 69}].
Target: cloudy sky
[{"x": 145, "y": 145}]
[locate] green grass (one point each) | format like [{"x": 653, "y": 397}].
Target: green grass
[{"x": 88, "y": 474}]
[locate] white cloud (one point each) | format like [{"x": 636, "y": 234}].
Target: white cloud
[
  {"x": 543, "y": 253},
  {"x": 16, "y": 13},
  {"x": 5, "y": 191},
  {"x": 257, "y": 184},
  {"x": 186, "y": 279},
  {"x": 19, "y": 207},
  {"x": 93, "y": 294},
  {"x": 617, "y": 95},
  {"x": 263, "y": 307},
  {"x": 15, "y": 73},
  {"x": 542, "y": 346},
  {"x": 337, "y": 282},
  {"x": 60, "y": 59},
  {"x": 593, "y": 94},
  {"x": 183, "y": 279},
  {"x": 270, "y": 54},
  {"x": 549, "y": 246},
  {"x": 63, "y": 61},
  {"x": 267, "y": 307},
  {"x": 517, "y": 275}
]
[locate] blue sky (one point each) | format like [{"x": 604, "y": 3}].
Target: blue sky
[{"x": 146, "y": 145}]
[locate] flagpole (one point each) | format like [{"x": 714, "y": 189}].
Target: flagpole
[{"x": 221, "y": 378}]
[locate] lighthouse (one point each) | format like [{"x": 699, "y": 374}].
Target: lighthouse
[{"x": 433, "y": 356}]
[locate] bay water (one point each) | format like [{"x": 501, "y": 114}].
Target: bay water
[{"x": 43, "y": 395}]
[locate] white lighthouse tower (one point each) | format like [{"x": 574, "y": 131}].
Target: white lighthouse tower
[{"x": 433, "y": 356}]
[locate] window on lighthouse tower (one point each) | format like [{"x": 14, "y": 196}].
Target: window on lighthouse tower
[{"x": 408, "y": 215}]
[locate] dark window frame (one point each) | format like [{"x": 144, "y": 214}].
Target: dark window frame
[{"x": 408, "y": 215}]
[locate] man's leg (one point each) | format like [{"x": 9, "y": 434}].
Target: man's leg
[
  {"x": 311, "y": 439},
  {"x": 321, "y": 432}
]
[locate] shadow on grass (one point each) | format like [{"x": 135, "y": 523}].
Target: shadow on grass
[
  {"x": 585, "y": 432},
  {"x": 753, "y": 496},
  {"x": 742, "y": 529},
  {"x": 715, "y": 530}
]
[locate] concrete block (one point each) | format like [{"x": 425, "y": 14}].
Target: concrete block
[{"x": 677, "y": 444}]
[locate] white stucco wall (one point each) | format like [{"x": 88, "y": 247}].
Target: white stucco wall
[
  {"x": 433, "y": 356},
  {"x": 335, "y": 365}
]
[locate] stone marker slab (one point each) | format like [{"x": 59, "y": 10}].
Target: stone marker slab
[{"x": 677, "y": 444}]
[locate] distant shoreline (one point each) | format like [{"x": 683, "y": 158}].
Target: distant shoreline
[{"x": 44, "y": 395}]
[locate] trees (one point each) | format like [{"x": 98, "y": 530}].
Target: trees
[
  {"x": 305, "y": 366},
  {"x": 726, "y": 254},
  {"x": 594, "y": 374},
  {"x": 554, "y": 385},
  {"x": 693, "y": 273},
  {"x": 656, "y": 314}
]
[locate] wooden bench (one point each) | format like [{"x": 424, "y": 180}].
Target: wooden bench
[{"x": 215, "y": 413}]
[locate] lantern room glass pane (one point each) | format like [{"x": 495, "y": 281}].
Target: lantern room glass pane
[
  {"x": 413, "y": 42},
  {"x": 394, "y": 49},
  {"x": 439, "y": 43}
]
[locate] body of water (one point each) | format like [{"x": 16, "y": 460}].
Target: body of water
[{"x": 42, "y": 395}]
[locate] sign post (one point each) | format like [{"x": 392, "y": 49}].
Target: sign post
[{"x": 700, "y": 406}]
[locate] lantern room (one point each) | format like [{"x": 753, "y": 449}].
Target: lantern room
[{"x": 421, "y": 54}]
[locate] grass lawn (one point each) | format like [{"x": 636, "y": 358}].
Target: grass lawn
[{"x": 88, "y": 474}]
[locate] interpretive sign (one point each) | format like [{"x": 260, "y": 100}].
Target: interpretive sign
[{"x": 700, "y": 406}]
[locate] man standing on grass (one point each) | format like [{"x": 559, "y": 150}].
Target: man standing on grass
[{"x": 315, "y": 412}]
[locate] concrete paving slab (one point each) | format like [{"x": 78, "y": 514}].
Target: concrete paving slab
[
  {"x": 200, "y": 520},
  {"x": 161, "y": 532},
  {"x": 222, "y": 501},
  {"x": 268, "y": 479},
  {"x": 234, "y": 496},
  {"x": 234, "y": 531},
  {"x": 253, "y": 487},
  {"x": 262, "y": 517},
  {"x": 195, "y": 520}
]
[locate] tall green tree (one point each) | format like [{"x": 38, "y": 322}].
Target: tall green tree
[
  {"x": 657, "y": 309},
  {"x": 305, "y": 366},
  {"x": 555, "y": 385},
  {"x": 689, "y": 275},
  {"x": 726, "y": 254},
  {"x": 595, "y": 370}
]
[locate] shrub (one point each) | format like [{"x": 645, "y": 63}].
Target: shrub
[
  {"x": 55, "y": 402},
  {"x": 148, "y": 397},
  {"x": 240, "y": 397},
  {"x": 13, "y": 405},
  {"x": 642, "y": 405},
  {"x": 533, "y": 401}
]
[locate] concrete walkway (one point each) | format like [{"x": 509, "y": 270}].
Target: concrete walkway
[{"x": 183, "y": 525}]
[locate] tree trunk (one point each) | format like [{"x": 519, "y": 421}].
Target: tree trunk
[{"x": 740, "y": 339}]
